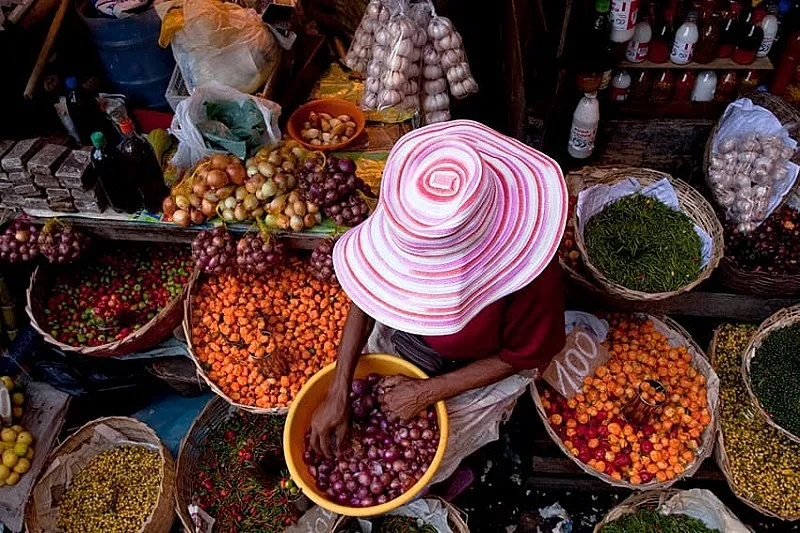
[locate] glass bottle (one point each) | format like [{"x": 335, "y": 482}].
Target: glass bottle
[
  {"x": 121, "y": 192},
  {"x": 138, "y": 164},
  {"x": 728, "y": 31},
  {"x": 623, "y": 19},
  {"x": 584, "y": 127},
  {"x": 620, "y": 86},
  {"x": 661, "y": 41},
  {"x": 749, "y": 82},
  {"x": 786, "y": 65},
  {"x": 662, "y": 87},
  {"x": 685, "y": 40},
  {"x": 683, "y": 86},
  {"x": 640, "y": 87},
  {"x": 769, "y": 25},
  {"x": 704, "y": 86},
  {"x": 749, "y": 36},
  {"x": 706, "y": 49},
  {"x": 726, "y": 87},
  {"x": 596, "y": 60}
]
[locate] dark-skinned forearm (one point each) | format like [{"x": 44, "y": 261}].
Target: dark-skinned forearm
[
  {"x": 355, "y": 333},
  {"x": 473, "y": 376}
]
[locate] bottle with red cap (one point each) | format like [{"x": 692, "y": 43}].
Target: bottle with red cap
[
  {"x": 729, "y": 31},
  {"x": 683, "y": 86},
  {"x": 749, "y": 36},
  {"x": 139, "y": 165},
  {"x": 661, "y": 40}
]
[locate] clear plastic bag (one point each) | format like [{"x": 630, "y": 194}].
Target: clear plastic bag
[
  {"x": 450, "y": 46},
  {"x": 435, "y": 100},
  {"x": 360, "y": 52}
]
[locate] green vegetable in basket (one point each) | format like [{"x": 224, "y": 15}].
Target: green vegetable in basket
[
  {"x": 764, "y": 465},
  {"x": 400, "y": 524},
  {"x": 775, "y": 376},
  {"x": 641, "y": 244},
  {"x": 651, "y": 521}
]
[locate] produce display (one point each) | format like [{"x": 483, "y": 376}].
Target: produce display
[
  {"x": 764, "y": 464},
  {"x": 568, "y": 251},
  {"x": 773, "y": 247},
  {"x": 332, "y": 184},
  {"x": 121, "y": 289},
  {"x": 16, "y": 443},
  {"x": 19, "y": 242},
  {"x": 394, "y": 524},
  {"x": 322, "y": 129},
  {"x": 58, "y": 242},
  {"x": 775, "y": 377},
  {"x": 653, "y": 521},
  {"x": 742, "y": 174},
  {"x": 641, "y": 244},
  {"x": 321, "y": 262},
  {"x": 260, "y": 338},
  {"x": 382, "y": 459},
  {"x": 241, "y": 479},
  {"x": 592, "y": 425},
  {"x": 257, "y": 253},
  {"x": 114, "y": 493},
  {"x": 214, "y": 251}
]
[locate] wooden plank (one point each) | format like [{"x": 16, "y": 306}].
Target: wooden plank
[{"x": 761, "y": 63}]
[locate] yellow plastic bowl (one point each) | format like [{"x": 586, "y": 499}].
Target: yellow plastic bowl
[{"x": 299, "y": 421}]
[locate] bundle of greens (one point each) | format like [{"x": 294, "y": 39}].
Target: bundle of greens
[{"x": 651, "y": 521}]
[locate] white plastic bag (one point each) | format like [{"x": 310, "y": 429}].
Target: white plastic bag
[
  {"x": 192, "y": 111},
  {"x": 226, "y": 43}
]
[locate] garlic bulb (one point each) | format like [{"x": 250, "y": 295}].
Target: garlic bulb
[
  {"x": 749, "y": 143},
  {"x": 372, "y": 85},
  {"x": 382, "y": 37},
  {"x": 414, "y": 70},
  {"x": 369, "y": 101},
  {"x": 411, "y": 87},
  {"x": 393, "y": 79},
  {"x": 384, "y": 16},
  {"x": 373, "y": 8},
  {"x": 374, "y": 69},
  {"x": 397, "y": 62},
  {"x": 451, "y": 58},
  {"x": 450, "y": 41},
  {"x": 437, "y": 116},
  {"x": 716, "y": 163},
  {"x": 379, "y": 53},
  {"x": 439, "y": 27},
  {"x": 404, "y": 47},
  {"x": 410, "y": 102},
  {"x": 429, "y": 55},
  {"x": 741, "y": 181},
  {"x": 726, "y": 198},
  {"x": 435, "y": 86},
  {"x": 760, "y": 191},
  {"x": 420, "y": 38},
  {"x": 432, "y": 72},
  {"x": 779, "y": 172},
  {"x": 436, "y": 102},
  {"x": 727, "y": 146},
  {"x": 787, "y": 153},
  {"x": 389, "y": 98},
  {"x": 744, "y": 206}
]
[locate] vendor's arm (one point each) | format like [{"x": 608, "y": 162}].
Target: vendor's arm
[{"x": 332, "y": 416}]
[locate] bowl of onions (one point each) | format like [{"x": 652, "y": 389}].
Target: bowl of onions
[{"x": 383, "y": 464}]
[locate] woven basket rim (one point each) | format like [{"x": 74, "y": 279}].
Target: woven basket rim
[
  {"x": 692, "y": 204},
  {"x": 456, "y": 518},
  {"x": 103, "y": 349},
  {"x": 782, "y": 318},
  {"x": 167, "y": 466},
  {"x": 708, "y": 437}
]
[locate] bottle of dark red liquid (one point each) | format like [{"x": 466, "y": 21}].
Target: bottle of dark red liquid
[
  {"x": 749, "y": 36},
  {"x": 729, "y": 31},
  {"x": 683, "y": 86},
  {"x": 139, "y": 165},
  {"x": 706, "y": 48},
  {"x": 663, "y": 33},
  {"x": 787, "y": 65}
]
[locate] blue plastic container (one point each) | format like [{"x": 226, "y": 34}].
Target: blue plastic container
[{"x": 135, "y": 64}]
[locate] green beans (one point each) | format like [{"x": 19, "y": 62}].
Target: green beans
[
  {"x": 651, "y": 521},
  {"x": 775, "y": 376},
  {"x": 114, "y": 493},
  {"x": 643, "y": 245},
  {"x": 764, "y": 464}
]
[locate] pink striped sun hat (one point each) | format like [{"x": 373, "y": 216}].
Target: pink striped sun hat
[{"x": 465, "y": 217}]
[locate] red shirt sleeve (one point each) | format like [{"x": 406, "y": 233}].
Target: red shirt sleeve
[{"x": 533, "y": 321}]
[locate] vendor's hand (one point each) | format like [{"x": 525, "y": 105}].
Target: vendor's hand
[
  {"x": 402, "y": 397},
  {"x": 330, "y": 418}
]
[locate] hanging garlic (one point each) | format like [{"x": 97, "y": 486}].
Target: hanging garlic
[
  {"x": 382, "y": 37},
  {"x": 410, "y": 102},
  {"x": 437, "y": 116},
  {"x": 450, "y": 41},
  {"x": 379, "y": 53},
  {"x": 420, "y": 38},
  {"x": 439, "y": 27},
  {"x": 372, "y": 84},
  {"x": 432, "y": 72},
  {"x": 397, "y": 62},
  {"x": 374, "y": 69},
  {"x": 389, "y": 98},
  {"x": 435, "y": 86},
  {"x": 393, "y": 79},
  {"x": 411, "y": 87},
  {"x": 451, "y": 58},
  {"x": 404, "y": 47},
  {"x": 436, "y": 102},
  {"x": 414, "y": 70},
  {"x": 370, "y": 101}
]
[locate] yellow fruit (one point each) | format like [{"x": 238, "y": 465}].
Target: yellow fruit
[
  {"x": 18, "y": 428},
  {"x": 12, "y": 479},
  {"x": 20, "y": 449},
  {"x": 16, "y": 412},
  {"x": 8, "y": 435},
  {"x": 23, "y": 465},
  {"x": 6, "y": 446},
  {"x": 10, "y": 458},
  {"x": 29, "y": 455},
  {"x": 7, "y": 382},
  {"x": 18, "y": 398},
  {"x": 24, "y": 437},
  {"x": 4, "y": 472}
]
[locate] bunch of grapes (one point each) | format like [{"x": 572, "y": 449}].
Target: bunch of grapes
[
  {"x": 350, "y": 211},
  {"x": 321, "y": 263},
  {"x": 329, "y": 184},
  {"x": 19, "y": 242},
  {"x": 257, "y": 253},
  {"x": 62, "y": 244},
  {"x": 214, "y": 251}
]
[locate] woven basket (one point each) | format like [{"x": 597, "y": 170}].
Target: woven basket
[
  {"x": 730, "y": 275},
  {"x": 158, "y": 329},
  {"x": 162, "y": 516},
  {"x": 721, "y": 455},
  {"x": 187, "y": 331},
  {"x": 691, "y": 203},
  {"x": 650, "y": 500},
  {"x": 456, "y": 518},
  {"x": 670, "y": 328},
  {"x": 179, "y": 373},
  {"x": 784, "y": 317}
]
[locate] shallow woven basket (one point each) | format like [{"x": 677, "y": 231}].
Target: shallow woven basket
[
  {"x": 158, "y": 329},
  {"x": 784, "y": 317},
  {"x": 663, "y": 324},
  {"x": 187, "y": 330},
  {"x": 162, "y": 516},
  {"x": 651, "y": 500},
  {"x": 456, "y": 518},
  {"x": 179, "y": 373},
  {"x": 691, "y": 203},
  {"x": 731, "y": 276},
  {"x": 721, "y": 456}
]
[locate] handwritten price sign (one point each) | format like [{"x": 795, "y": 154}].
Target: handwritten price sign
[{"x": 581, "y": 355}]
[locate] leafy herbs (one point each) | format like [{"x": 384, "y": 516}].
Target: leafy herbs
[
  {"x": 640, "y": 243},
  {"x": 775, "y": 375},
  {"x": 651, "y": 521}
]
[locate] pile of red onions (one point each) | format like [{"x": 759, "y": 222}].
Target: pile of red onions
[
  {"x": 382, "y": 459},
  {"x": 321, "y": 262},
  {"x": 257, "y": 253},
  {"x": 62, "y": 244},
  {"x": 214, "y": 251},
  {"x": 773, "y": 247},
  {"x": 19, "y": 242}
]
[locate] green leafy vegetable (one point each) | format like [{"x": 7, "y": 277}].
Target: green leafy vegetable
[
  {"x": 651, "y": 521},
  {"x": 237, "y": 127}
]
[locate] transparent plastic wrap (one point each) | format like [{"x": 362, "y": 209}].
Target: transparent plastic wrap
[
  {"x": 746, "y": 173},
  {"x": 399, "y": 78},
  {"x": 360, "y": 52},
  {"x": 435, "y": 100},
  {"x": 453, "y": 58}
]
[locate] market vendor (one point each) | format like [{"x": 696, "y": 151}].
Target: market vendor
[{"x": 456, "y": 265}]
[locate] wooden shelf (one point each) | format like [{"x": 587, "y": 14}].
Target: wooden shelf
[
  {"x": 761, "y": 63},
  {"x": 649, "y": 110}
]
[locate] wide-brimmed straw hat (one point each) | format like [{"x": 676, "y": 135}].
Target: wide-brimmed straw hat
[{"x": 465, "y": 217}]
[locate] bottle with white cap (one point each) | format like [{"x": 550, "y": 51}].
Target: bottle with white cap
[
  {"x": 704, "y": 87},
  {"x": 640, "y": 43},
  {"x": 769, "y": 26},
  {"x": 685, "y": 39},
  {"x": 620, "y": 86},
  {"x": 584, "y": 127},
  {"x": 623, "y": 19}
]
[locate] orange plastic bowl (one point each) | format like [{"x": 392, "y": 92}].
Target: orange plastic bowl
[
  {"x": 331, "y": 106},
  {"x": 299, "y": 421}
]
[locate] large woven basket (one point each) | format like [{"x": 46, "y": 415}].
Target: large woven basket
[
  {"x": 691, "y": 203},
  {"x": 162, "y": 516},
  {"x": 158, "y": 329},
  {"x": 456, "y": 518},
  {"x": 671, "y": 329},
  {"x": 650, "y": 500},
  {"x": 784, "y": 317},
  {"x": 721, "y": 455},
  {"x": 730, "y": 274},
  {"x": 187, "y": 331}
]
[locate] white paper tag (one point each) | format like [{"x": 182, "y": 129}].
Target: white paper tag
[{"x": 203, "y": 523}]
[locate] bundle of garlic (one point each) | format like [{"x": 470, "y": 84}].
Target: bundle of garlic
[
  {"x": 360, "y": 52},
  {"x": 399, "y": 81},
  {"x": 435, "y": 100},
  {"x": 743, "y": 173},
  {"x": 453, "y": 58}
]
